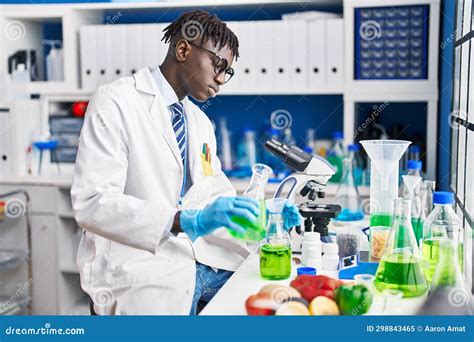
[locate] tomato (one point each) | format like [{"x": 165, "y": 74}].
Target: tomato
[{"x": 260, "y": 304}]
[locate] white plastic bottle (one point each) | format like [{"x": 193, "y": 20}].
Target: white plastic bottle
[
  {"x": 20, "y": 80},
  {"x": 54, "y": 65}
]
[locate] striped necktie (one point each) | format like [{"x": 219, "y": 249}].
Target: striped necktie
[{"x": 179, "y": 127}]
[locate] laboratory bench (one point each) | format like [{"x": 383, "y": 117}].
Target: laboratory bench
[
  {"x": 246, "y": 281},
  {"x": 56, "y": 236}
]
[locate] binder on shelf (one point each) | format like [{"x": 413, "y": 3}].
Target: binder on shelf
[
  {"x": 87, "y": 41},
  {"x": 150, "y": 45},
  {"x": 335, "y": 51},
  {"x": 118, "y": 46},
  {"x": 316, "y": 63},
  {"x": 298, "y": 54},
  {"x": 135, "y": 41},
  {"x": 234, "y": 85},
  {"x": 280, "y": 50},
  {"x": 264, "y": 57},
  {"x": 309, "y": 15},
  {"x": 102, "y": 55}
]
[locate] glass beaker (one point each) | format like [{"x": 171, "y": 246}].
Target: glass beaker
[
  {"x": 384, "y": 157},
  {"x": 347, "y": 195},
  {"x": 400, "y": 266},
  {"x": 255, "y": 231},
  {"x": 275, "y": 248}
]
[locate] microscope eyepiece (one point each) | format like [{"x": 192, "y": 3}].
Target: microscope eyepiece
[{"x": 292, "y": 156}]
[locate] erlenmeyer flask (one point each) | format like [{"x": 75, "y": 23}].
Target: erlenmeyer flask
[
  {"x": 347, "y": 195},
  {"x": 275, "y": 248},
  {"x": 255, "y": 231},
  {"x": 400, "y": 266}
]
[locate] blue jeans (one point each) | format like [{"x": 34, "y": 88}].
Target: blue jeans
[{"x": 208, "y": 282}]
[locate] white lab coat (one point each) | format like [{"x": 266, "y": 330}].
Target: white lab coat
[{"x": 127, "y": 181}]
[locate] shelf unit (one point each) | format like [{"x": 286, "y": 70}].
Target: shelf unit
[
  {"x": 55, "y": 239},
  {"x": 396, "y": 91},
  {"x": 15, "y": 253}
]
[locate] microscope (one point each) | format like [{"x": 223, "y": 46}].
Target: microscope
[{"x": 305, "y": 185}]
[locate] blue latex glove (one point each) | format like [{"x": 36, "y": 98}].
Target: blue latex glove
[
  {"x": 291, "y": 216},
  {"x": 196, "y": 223}
]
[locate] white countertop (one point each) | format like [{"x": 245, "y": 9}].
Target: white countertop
[{"x": 230, "y": 299}]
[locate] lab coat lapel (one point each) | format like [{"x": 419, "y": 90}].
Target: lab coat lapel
[{"x": 158, "y": 110}]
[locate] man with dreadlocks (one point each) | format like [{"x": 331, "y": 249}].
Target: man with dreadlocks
[{"x": 147, "y": 171}]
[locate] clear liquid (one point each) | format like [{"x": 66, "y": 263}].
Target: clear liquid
[
  {"x": 254, "y": 231},
  {"x": 430, "y": 254},
  {"x": 402, "y": 272},
  {"x": 350, "y": 215},
  {"x": 275, "y": 261}
]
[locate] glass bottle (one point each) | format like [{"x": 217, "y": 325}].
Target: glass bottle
[
  {"x": 448, "y": 273},
  {"x": 255, "y": 231},
  {"x": 336, "y": 155},
  {"x": 275, "y": 248},
  {"x": 400, "y": 265},
  {"x": 347, "y": 195},
  {"x": 441, "y": 223},
  {"x": 427, "y": 196},
  {"x": 357, "y": 162},
  {"x": 411, "y": 190}
]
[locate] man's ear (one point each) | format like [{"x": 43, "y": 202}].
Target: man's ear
[{"x": 182, "y": 50}]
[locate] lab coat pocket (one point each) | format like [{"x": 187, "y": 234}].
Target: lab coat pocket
[{"x": 128, "y": 265}]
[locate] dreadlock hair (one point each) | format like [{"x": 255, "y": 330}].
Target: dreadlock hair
[{"x": 205, "y": 26}]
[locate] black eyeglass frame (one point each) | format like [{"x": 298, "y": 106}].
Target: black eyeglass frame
[{"x": 218, "y": 69}]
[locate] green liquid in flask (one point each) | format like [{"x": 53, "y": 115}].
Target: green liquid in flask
[
  {"x": 254, "y": 231},
  {"x": 417, "y": 224},
  {"x": 401, "y": 272},
  {"x": 275, "y": 261},
  {"x": 430, "y": 253},
  {"x": 381, "y": 220}
]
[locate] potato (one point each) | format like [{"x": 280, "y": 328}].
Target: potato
[
  {"x": 321, "y": 305},
  {"x": 292, "y": 309}
]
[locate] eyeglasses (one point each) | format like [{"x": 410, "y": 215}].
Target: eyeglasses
[{"x": 220, "y": 65}]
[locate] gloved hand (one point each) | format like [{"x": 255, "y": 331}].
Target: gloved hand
[
  {"x": 291, "y": 216},
  {"x": 196, "y": 223}
]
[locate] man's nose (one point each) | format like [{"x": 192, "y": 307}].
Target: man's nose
[{"x": 220, "y": 78}]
